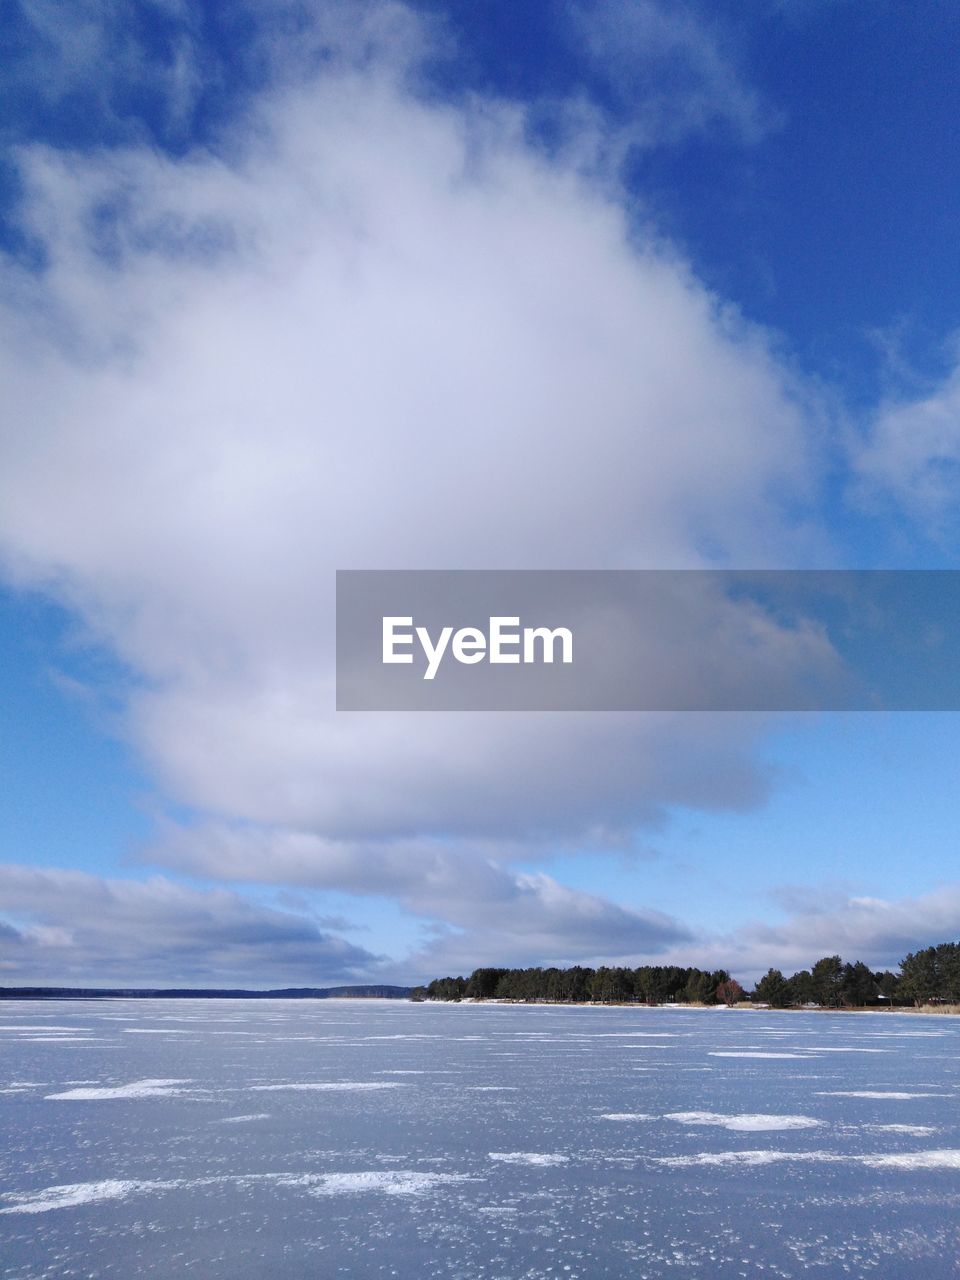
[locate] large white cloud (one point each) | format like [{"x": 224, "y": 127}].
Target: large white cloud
[{"x": 373, "y": 329}]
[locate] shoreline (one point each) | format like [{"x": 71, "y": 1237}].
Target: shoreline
[{"x": 946, "y": 1010}]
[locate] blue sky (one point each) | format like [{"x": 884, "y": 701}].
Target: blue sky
[{"x": 292, "y": 287}]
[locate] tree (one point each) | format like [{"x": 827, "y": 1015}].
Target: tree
[
  {"x": 482, "y": 984},
  {"x": 932, "y": 974},
  {"x": 888, "y": 984},
  {"x": 919, "y": 976},
  {"x": 578, "y": 982},
  {"x": 800, "y": 989},
  {"x": 827, "y": 976},
  {"x": 858, "y": 985},
  {"x": 700, "y": 988},
  {"x": 612, "y": 986},
  {"x": 729, "y": 991},
  {"x": 446, "y": 989},
  {"x": 773, "y": 989}
]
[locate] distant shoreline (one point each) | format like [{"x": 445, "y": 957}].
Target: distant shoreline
[
  {"x": 388, "y": 992},
  {"x": 950, "y": 1009},
  {"x": 367, "y": 992}
]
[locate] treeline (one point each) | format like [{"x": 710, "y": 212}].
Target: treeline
[
  {"x": 650, "y": 984},
  {"x": 930, "y": 976}
]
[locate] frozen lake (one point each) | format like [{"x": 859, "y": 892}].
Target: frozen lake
[{"x": 288, "y": 1139}]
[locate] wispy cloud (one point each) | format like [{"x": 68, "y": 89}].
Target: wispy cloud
[
  {"x": 909, "y": 457},
  {"x": 668, "y": 71},
  {"x": 89, "y": 70}
]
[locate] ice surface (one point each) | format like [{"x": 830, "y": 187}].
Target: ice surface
[{"x": 480, "y": 1141}]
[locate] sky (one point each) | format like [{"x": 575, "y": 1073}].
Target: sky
[{"x": 287, "y": 288}]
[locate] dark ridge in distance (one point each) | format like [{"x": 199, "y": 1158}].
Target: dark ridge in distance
[{"x": 377, "y": 992}]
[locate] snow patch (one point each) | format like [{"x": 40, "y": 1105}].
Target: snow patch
[
  {"x": 944, "y": 1159},
  {"x": 751, "y": 1053},
  {"x": 334, "y": 1085},
  {"x": 158, "y": 1031},
  {"x": 845, "y": 1048},
  {"x": 137, "y": 1089},
  {"x": 72, "y": 1195},
  {"x": 914, "y": 1130},
  {"x": 539, "y": 1158},
  {"x": 877, "y": 1093},
  {"x": 35, "y": 1027},
  {"x": 55, "y": 1039},
  {"x": 724, "y": 1158},
  {"x": 391, "y": 1182},
  {"x": 748, "y": 1123}
]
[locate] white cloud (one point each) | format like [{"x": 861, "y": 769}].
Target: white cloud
[{"x": 374, "y": 330}]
